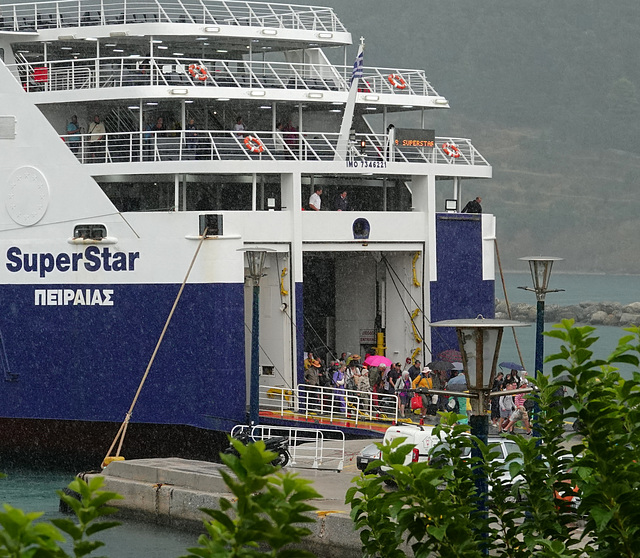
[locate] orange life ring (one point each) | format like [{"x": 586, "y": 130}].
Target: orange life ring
[
  {"x": 253, "y": 144},
  {"x": 397, "y": 81},
  {"x": 451, "y": 149},
  {"x": 198, "y": 72}
]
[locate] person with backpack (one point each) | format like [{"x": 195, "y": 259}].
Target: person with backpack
[
  {"x": 402, "y": 387},
  {"x": 423, "y": 381}
]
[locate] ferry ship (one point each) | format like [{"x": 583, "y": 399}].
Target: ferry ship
[{"x": 148, "y": 150}]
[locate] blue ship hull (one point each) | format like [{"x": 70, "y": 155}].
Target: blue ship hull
[{"x": 86, "y": 362}]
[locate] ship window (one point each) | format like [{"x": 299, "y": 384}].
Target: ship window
[
  {"x": 90, "y": 232},
  {"x": 267, "y": 370},
  {"x": 361, "y": 229}
]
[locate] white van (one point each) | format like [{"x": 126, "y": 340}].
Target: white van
[
  {"x": 420, "y": 437},
  {"x": 423, "y": 441}
]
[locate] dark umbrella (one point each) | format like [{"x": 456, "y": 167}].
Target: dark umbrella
[
  {"x": 450, "y": 355},
  {"x": 440, "y": 365},
  {"x": 511, "y": 366}
]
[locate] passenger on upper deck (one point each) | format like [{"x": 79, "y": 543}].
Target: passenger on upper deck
[
  {"x": 191, "y": 139},
  {"x": 96, "y": 139},
  {"x": 291, "y": 138},
  {"x": 279, "y": 143},
  {"x": 473, "y": 206},
  {"x": 315, "y": 201},
  {"x": 151, "y": 138},
  {"x": 239, "y": 125},
  {"x": 73, "y": 130},
  {"x": 159, "y": 126},
  {"x": 341, "y": 203}
]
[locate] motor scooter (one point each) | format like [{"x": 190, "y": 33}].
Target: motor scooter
[{"x": 276, "y": 444}]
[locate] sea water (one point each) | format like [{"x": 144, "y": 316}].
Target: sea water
[
  {"x": 576, "y": 288},
  {"x": 34, "y": 490}
]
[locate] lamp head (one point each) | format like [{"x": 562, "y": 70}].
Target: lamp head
[
  {"x": 479, "y": 339},
  {"x": 540, "y": 267}
]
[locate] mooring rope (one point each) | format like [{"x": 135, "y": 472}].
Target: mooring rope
[
  {"x": 506, "y": 299},
  {"x": 119, "y": 439}
]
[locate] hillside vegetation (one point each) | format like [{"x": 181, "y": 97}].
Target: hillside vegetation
[{"x": 549, "y": 93}]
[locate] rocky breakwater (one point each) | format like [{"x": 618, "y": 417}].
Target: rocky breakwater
[{"x": 594, "y": 313}]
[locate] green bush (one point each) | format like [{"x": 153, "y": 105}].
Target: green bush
[
  {"x": 264, "y": 517},
  {"x": 437, "y": 510}
]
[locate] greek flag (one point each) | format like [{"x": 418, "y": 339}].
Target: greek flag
[{"x": 358, "y": 65}]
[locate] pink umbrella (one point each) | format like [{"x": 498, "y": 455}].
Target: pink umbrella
[{"x": 377, "y": 360}]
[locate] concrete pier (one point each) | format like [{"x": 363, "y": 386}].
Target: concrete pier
[{"x": 171, "y": 492}]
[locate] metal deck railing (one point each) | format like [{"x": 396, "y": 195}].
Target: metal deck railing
[
  {"x": 92, "y": 73},
  {"x": 36, "y": 16},
  {"x": 333, "y": 404},
  {"x": 217, "y": 145}
]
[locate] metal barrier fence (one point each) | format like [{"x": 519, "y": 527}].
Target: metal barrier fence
[{"x": 310, "y": 448}]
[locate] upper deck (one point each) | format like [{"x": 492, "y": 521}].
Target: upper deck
[
  {"x": 222, "y": 77},
  {"x": 80, "y": 46},
  {"x": 65, "y": 14}
]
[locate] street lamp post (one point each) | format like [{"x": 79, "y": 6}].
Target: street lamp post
[
  {"x": 255, "y": 260},
  {"x": 479, "y": 341},
  {"x": 540, "y": 267}
]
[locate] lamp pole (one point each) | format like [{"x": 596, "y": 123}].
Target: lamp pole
[
  {"x": 540, "y": 267},
  {"x": 479, "y": 341},
  {"x": 255, "y": 260}
]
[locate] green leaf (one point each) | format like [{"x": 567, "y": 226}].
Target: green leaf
[{"x": 601, "y": 517}]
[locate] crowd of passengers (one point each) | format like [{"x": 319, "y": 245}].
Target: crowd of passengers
[{"x": 348, "y": 373}]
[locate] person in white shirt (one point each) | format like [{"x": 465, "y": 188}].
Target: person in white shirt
[
  {"x": 239, "y": 125},
  {"x": 315, "y": 201}
]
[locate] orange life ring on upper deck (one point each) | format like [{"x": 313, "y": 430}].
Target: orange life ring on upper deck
[
  {"x": 198, "y": 72},
  {"x": 397, "y": 81},
  {"x": 451, "y": 149},
  {"x": 253, "y": 144}
]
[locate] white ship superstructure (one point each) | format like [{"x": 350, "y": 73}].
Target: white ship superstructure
[{"x": 223, "y": 115}]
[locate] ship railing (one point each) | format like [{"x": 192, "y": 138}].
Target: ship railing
[
  {"x": 258, "y": 14},
  {"x": 366, "y": 150},
  {"x": 60, "y": 75},
  {"x": 381, "y": 81},
  {"x": 36, "y": 16},
  {"x": 310, "y": 448},
  {"x": 330, "y": 404}
]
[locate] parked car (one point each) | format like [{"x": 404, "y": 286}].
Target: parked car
[{"x": 367, "y": 455}]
